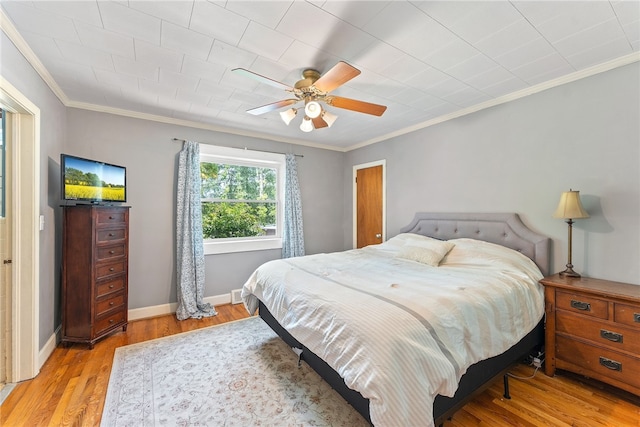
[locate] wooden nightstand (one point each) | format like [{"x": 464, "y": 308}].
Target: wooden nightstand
[{"x": 593, "y": 329}]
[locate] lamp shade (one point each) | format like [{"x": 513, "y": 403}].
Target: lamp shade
[
  {"x": 288, "y": 115},
  {"x": 328, "y": 117},
  {"x": 306, "y": 125},
  {"x": 313, "y": 109},
  {"x": 570, "y": 206}
]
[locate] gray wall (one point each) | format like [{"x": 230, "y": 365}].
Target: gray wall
[
  {"x": 23, "y": 77},
  {"x": 514, "y": 157},
  {"x": 149, "y": 154},
  {"x": 519, "y": 157}
]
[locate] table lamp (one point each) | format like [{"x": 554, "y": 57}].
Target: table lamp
[{"x": 570, "y": 208}]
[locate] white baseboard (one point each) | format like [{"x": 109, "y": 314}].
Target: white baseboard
[
  {"x": 48, "y": 347},
  {"x": 161, "y": 310}
]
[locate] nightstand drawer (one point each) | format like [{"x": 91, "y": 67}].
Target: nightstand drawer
[
  {"x": 594, "y": 360},
  {"x": 627, "y": 314},
  {"x": 616, "y": 337},
  {"x": 583, "y": 304}
]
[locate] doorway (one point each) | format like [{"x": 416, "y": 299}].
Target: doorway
[
  {"x": 5, "y": 244},
  {"x": 23, "y": 124},
  {"x": 369, "y": 203}
]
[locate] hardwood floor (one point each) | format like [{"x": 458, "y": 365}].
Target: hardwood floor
[{"x": 71, "y": 388}]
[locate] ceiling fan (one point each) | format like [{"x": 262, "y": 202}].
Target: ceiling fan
[{"x": 313, "y": 89}]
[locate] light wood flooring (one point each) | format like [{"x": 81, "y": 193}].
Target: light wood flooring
[{"x": 71, "y": 388}]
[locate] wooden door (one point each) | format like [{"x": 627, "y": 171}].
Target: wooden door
[{"x": 369, "y": 206}]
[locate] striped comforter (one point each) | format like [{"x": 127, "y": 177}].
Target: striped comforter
[{"x": 401, "y": 332}]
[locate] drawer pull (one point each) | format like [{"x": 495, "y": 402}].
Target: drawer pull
[
  {"x": 636, "y": 317},
  {"x": 111, "y": 321},
  {"x": 579, "y": 305},
  {"x": 111, "y": 303},
  {"x": 112, "y": 252},
  {"x": 110, "y": 234},
  {"x": 112, "y": 269},
  {"x": 611, "y": 364},
  {"x": 611, "y": 336},
  {"x": 111, "y": 286},
  {"x": 110, "y": 217}
]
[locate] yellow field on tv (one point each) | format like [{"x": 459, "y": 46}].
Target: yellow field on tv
[{"x": 85, "y": 192}]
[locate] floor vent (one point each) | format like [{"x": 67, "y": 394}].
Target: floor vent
[{"x": 235, "y": 296}]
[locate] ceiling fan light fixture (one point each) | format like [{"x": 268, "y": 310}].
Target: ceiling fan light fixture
[
  {"x": 306, "y": 125},
  {"x": 288, "y": 115},
  {"x": 328, "y": 117},
  {"x": 313, "y": 109}
]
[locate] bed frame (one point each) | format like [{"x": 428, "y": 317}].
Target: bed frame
[{"x": 500, "y": 228}]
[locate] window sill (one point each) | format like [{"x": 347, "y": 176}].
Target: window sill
[{"x": 225, "y": 247}]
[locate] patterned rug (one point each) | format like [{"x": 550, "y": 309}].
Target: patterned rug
[{"x": 235, "y": 374}]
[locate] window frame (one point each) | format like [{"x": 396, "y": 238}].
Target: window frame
[{"x": 252, "y": 158}]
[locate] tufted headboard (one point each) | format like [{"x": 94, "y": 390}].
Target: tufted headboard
[{"x": 504, "y": 229}]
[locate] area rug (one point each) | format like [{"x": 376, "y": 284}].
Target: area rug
[{"x": 234, "y": 374}]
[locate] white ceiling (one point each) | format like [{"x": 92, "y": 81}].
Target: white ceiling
[{"x": 425, "y": 60}]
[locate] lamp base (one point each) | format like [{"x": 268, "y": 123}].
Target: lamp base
[{"x": 569, "y": 272}]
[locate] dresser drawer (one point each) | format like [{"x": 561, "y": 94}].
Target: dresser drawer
[
  {"x": 583, "y": 304},
  {"x": 110, "y": 269},
  {"x": 108, "y": 252},
  {"x": 594, "y": 360},
  {"x": 110, "y": 235},
  {"x": 107, "y": 217},
  {"x": 112, "y": 321},
  {"x": 112, "y": 303},
  {"x": 616, "y": 337},
  {"x": 627, "y": 314},
  {"x": 109, "y": 287}
]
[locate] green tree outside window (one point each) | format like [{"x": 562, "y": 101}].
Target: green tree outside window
[{"x": 237, "y": 201}]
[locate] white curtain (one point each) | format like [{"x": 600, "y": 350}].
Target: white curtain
[
  {"x": 292, "y": 235},
  {"x": 190, "y": 250}
]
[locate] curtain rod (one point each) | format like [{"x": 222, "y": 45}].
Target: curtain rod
[{"x": 263, "y": 151}]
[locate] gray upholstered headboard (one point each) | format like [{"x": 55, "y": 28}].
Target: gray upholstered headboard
[{"x": 504, "y": 229}]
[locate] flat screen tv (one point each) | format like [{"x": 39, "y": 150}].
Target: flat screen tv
[{"x": 91, "y": 181}]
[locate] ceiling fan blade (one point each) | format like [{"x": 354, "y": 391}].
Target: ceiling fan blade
[
  {"x": 271, "y": 107},
  {"x": 319, "y": 122},
  {"x": 336, "y": 76},
  {"x": 262, "y": 79},
  {"x": 355, "y": 105}
]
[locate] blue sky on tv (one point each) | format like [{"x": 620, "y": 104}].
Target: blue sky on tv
[{"x": 107, "y": 173}]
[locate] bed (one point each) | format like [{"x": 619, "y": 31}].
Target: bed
[{"x": 404, "y": 333}]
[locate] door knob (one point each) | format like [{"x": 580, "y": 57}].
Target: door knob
[{"x": 378, "y": 236}]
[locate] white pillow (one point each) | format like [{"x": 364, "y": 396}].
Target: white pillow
[{"x": 425, "y": 250}]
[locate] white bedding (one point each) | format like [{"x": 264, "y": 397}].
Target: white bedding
[{"x": 398, "y": 331}]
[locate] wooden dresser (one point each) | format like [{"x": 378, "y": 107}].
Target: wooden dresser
[
  {"x": 95, "y": 259},
  {"x": 593, "y": 329}
]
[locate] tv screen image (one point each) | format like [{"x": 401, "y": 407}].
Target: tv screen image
[{"x": 92, "y": 181}]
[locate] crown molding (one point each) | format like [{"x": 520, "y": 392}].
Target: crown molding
[
  {"x": 587, "y": 72},
  {"x": 10, "y": 30},
  {"x": 194, "y": 124}
]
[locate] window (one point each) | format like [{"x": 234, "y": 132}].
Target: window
[{"x": 242, "y": 199}]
